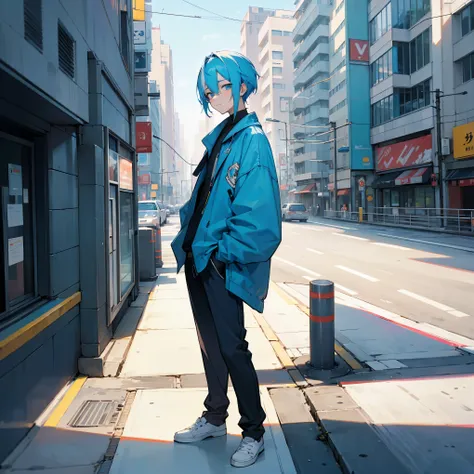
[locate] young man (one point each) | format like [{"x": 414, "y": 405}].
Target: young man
[{"x": 230, "y": 228}]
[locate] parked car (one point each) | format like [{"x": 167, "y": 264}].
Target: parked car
[
  {"x": 294, "y": 212},
  {"x": 164, "y": 209},
  {"x": 149, "y": 214}
]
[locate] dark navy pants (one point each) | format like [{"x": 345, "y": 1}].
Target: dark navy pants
[{"x": 219, "y": 318}]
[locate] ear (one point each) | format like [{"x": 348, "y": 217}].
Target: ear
[{"x": 243, "y": 89}]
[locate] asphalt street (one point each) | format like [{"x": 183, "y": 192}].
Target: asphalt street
[{"x": 424, "y": 276}]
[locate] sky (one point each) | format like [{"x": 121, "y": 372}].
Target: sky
[{"x": 191, "y": 40}]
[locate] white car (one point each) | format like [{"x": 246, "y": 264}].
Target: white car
[
  {"x": 294, "y": 212},
  {"x": 150, "y": 214}
]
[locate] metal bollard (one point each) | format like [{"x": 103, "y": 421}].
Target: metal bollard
[
  {"x": 321, "y": 326},
  {"x": 158, "y": 252}
]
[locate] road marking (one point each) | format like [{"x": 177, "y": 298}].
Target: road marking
[
  {"x": 391, "y": 246},
  {"x": 359, "y": 274},
  {"x": 335, "y": 226},
  {"x": 347, "y": 236},
  {"x": 306, "y": 270},
  {"x": 455, "y": 247},
  {"x": 317, "y": 252},
  {"x": 435, "y": 304}
]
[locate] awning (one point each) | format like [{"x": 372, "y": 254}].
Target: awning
[
  {"x": 457, "y": 175},
  {"x": 343, "y": 192},
  {"x": 307, "y": 188},
  {"x": 283, "y": 187},
  {"x": 386, "y": 180},
  {"x": 418, "y": 176},
  {"x": 292, "y": 191}
]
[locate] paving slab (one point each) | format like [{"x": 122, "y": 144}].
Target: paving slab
[
  {"x": 428, "y": 423},
  {"x": 147, "y": 442}
]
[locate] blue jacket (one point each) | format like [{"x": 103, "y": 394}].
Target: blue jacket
[{"x": 242, "y": 218}]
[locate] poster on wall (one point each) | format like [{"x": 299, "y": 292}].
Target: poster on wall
[
  {"x": 405, "y": 154},
  {"x": 15, "y": 251},
  {"x": 15, "y": 186},
  {"x": 15, "y": 215},
  {"x": 126, "y": 174}
]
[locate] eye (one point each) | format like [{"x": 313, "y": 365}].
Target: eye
[
  {"x": 227, "y": 87},
  {"x": 209, "y": 95}
]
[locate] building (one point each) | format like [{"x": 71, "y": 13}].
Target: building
[
  {"x": 413, "y": 53},
  {"x": 309, "y": 107},
  {"x": 162, "y": 73},
  {"x": 67, "y": 167},
  {"x": 349, "y": 106},
  {"x": 276, "y": 86}
]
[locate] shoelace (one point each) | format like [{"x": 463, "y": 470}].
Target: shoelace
[
  {"x": 247, "y": 445},
  {"x": 200, "y": 422}
]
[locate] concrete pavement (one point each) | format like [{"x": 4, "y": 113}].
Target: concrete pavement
[{"x": 405, "y": 406}]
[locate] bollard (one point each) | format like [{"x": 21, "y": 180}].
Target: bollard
[
  {"x": 158, "y": 252},
  {"x": 321, "y": 326}
]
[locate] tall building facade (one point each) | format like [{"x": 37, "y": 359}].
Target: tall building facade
[
  {"x": 276, "y": 86},
  {"x": 69, "y": 213},
  {"x": 416, "y": 49},
  {"x": 309, "y": 107},
  {"x": 162, "y": 73}
]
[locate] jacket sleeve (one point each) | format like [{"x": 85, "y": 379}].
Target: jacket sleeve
[{"x": 254, "y": 231}]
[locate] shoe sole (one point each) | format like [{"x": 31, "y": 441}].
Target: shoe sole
[
  {"x": 248, "y": 463},
  {"x": 216, "y": 434}
]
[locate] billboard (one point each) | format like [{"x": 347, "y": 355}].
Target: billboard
[
  {"x": 463, "y": 138},
  {"x": 141, "y": 61},
  {"x": 144, "y": 136},
  {"x": 139, "y": 10},
  {"x": 406, "y": 154},
  {"x": 139, "y": 32},
  {"x": 126, "y": 174},
  {"x": 144, "y": 178}
]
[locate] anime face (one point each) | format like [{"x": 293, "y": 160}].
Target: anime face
[{"x": 223, "y": 101}]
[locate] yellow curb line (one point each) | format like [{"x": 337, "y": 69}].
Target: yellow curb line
[
  {"x": 66, "y": 401},
  {"x": 344, "y": 354}
]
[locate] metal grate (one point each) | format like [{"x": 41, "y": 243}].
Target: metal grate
[
  {"x": 93, "y": 413},
  {"x": 66, "y": 52},
  {"x": 32, "y": 10}
]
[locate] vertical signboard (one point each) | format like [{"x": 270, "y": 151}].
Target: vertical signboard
[{"x": 144, "y": 137}]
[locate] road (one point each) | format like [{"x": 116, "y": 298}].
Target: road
[{"x": 427, "y": 278}]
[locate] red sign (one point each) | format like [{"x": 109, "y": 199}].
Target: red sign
[
  {"x": 359, "y": 51},
  {"x": 466, "y": 182},
  {"x": 144, "y": 178},
  {"x": 411, "y": 177},
  {"x": 126, "y": 174},
  {"x": 144, "y": 137},
  {"x": 405, "y": 154}
]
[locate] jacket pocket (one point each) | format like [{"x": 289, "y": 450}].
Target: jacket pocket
[{"x": 214, "y": 266}]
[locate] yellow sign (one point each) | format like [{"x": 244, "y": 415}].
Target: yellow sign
[
  {"x": 463, "y": 139},
  {"x": 153, "y": 194},
  {"x": 138, "y": 10},
  {"x": 154, "y": 186},
  {"x": 366, "y": 159}
]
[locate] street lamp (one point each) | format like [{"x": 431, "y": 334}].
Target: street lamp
[
  {"x": 286, "y": 150},
  {"x": 440, "y": 162}
]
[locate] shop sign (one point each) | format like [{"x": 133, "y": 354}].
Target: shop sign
[
  {"x": 406, "y": 154},
  {"x": 466, "y": 182},
  {"x": 463, "y": 138},
  {"x": 126, "y": 174},
  {"x": 359, "y": 51},
  {"x": 361, "y": 184},
  {"x": 138, "y": 10},
  {"x": 139, "y": 32},
  {"x": 144, "y": 178},
  {"x": 144, "y": 137}
]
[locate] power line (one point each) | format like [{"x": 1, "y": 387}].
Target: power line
[
  {"x": 165, "y": 142},
  {"x": 214, "y": 13}
]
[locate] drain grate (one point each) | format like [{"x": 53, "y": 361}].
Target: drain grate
[{"x": 94, "y": 413}]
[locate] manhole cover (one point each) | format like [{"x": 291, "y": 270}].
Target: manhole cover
[{"x": 94, "y": 413}]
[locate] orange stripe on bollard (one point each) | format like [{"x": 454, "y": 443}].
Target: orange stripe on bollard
[
  {"x": 321, "y": 296},
  {"x": 321, "y": 319}
]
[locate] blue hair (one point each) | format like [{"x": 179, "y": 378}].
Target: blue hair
[{"x": 235, "y": 68}]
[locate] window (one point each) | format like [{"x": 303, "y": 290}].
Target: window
[
  {"x": 410, "y": 57},
  {"x": 277, "y": 55},
  {"x": 338, "y": 107},
  {"x": 277, "y": 33},
  {"x": 66, "y": 52},
  {"x": 17, "y": 280},
  {"x": 339, "y": 66},
  {"x": 298, "y": 208},
  {"x": 382, "y": 111},
  {"x": 467, "y": 19},
  {"x": 126, "y": 241},
  {"x": 277, "y": 71},
  {"x": 381, "y": 68},
  {"x": 340, "y": 48},
  {"x": 380, "y": 24},
  {"x": 406, "y": 13},
  {"x": 279, "y": 85},
  {"x": 339, "y": 7},
  {"x": 124, "y": 38},
  {"x": 33, "y": 22},
  {"x": 401, "y": 58},
  {"x": 467, "y": 65},
  {"x": 336, "y": 89}
]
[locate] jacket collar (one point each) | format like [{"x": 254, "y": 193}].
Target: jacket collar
[{"x": 210, "y": 139}]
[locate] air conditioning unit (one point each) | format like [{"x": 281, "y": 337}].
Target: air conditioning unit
[{"x": 445, "y": 146}]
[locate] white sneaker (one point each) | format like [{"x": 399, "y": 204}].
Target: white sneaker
[
  {"x": 200, "y": 430},
  {"x": 247, "y": 453}
]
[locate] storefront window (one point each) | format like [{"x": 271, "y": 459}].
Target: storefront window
[
  {"x": 395, "y": 198},
  {"x": 17, "y": 281},
  {"x": 126, "y": 241}
]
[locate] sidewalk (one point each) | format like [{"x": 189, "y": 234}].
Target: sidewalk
[{"x": 400, "y": 402}]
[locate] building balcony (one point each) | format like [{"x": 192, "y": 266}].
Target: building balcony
[
  {"x": 321, "y": 48},
  {"x": 303, "y": 78},
  {"x": 308, "y": 18},
  {"x": 302, "y": 48}
]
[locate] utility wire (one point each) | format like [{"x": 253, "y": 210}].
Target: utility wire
[
  {"x": 214, "y": 13},
  {"x": 165, "y": 142}
]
